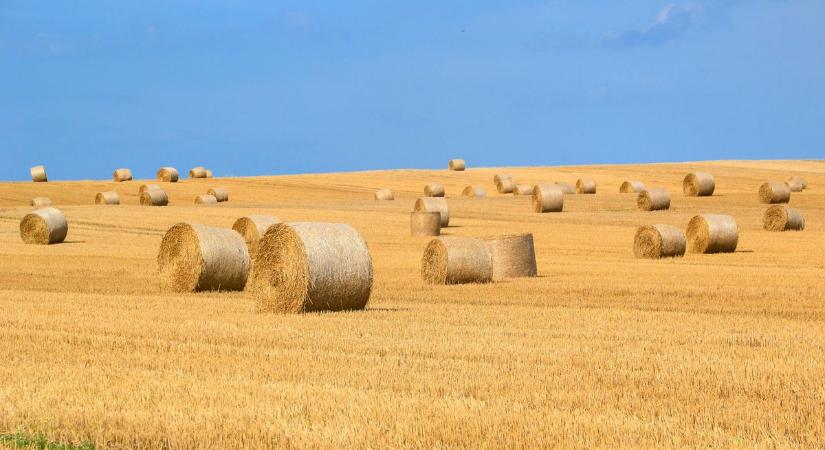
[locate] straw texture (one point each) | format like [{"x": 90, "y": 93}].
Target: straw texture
[
  {"x": 566, "y": 188},
  {"x": 457, "y": 164},
  {"x": 434, "y": 204},
  {"x": 38, "y": 174},
  {"x": 456, "y": 260},
  {"x": 197, "y": 172},
  {"x": 167, "y": 175},
  {"x": 208, "y": 173},
  {"x": 547, "y": 198},
  {"x": 154, "y": 197},
  {"x": 44, "y": 226},
  {"x": 782, "y": 218},
  {"x": 712, "y": 233},
  {"x": 122, "y": 175},
  {"x": 585, "y": 186},
  {"x": 653, "y": 200},
  {"x": 474, "y": 191},
  {"x": 434, "y": 190},
  {"x": 513, "y": 256},
  {"x": 252, "y": 229},
  {"x": 499, "y": 177},
  {"x": 659, "y": 241},
  {"x": 796, "y": 184},
  {"x": 523, "y": 189},
  {"x": 774, "y": 192},
  {"x": 40, "y": 202},
  {"x": 384, "y": 194},
  {"x": 205, "y": 199},
  {"x": 425, "y": 223},
  {"x": 220, "y": 194},
  {"x": 145, "y": 187},
  {"x": 506, "y": 186},
  {"x": 698, "y": 184},
  {"x": 630, "y": 187},
  {"x": 107, "y": 198}
]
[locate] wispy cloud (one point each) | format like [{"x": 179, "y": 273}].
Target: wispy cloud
[{"x": 671, "y": 22}]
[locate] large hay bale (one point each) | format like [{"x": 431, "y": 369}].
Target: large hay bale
[
  {"x": 145, "y": 187},
  {"x": 206, "y": 199},
  {"x": 782, "y": 218},
  {"x": 566, "y": 188},
  {"x": 197, "y": 172},
  {"x": 434, "y": 190},
  {"x": 195, "y": 257},
  {"x": 547, "y": 198},
  {"x": 653, "y": 199},
  {"x": 698, "y": 184},
  {"x": 712, "y": 233},
  {"x": 425, "y": 223},
  {"x": 585, "y": 186},
  {"x": 220, "y": 194},
  {"x": 796, "y": 184},
  {"x": 631, "y": 187},
  {"x": 122, "y": 175},
  {"x": 154, "y": 197},
  {"x": 44, "y": 226},
  {"x": 303, "y": 267},
  {"x": 774, "y": 192},
  {"x": 474, "y": 191},
  {"x": 167, "y": 174},
  {"x": 499, "y": 177},
  {"x": 514, "y": 256},
  {"x": 384, "y": 194},
  {"x": 434, "y": 204},
  {"x": 107, "y": 198},
  {"x": 659, "y": 241},
  {"x": 38, "y": 174},
  {"x": 523, "y": 189},
  {"x": 252, "y": 229},
  {"x": 40, "y": 202},
  {"x": 506, "y": 186},
  {"x": 457, "y": 164},
  {"x": 456, "y": 260}
]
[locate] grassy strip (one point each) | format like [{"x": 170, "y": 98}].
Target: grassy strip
[{"x": 24, "y": 441}]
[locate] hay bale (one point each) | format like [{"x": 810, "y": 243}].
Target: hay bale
[
  {"x": 434, "y": 204},
  {"x": 796, "y": 184},
  {"x": 154, "y": 197},
  {"x": 145, "y": 187},
  {"x": 630, "y": 187},
  {"x": 456, "y": 260},
  {"x": 566, "y": 188},
  {"x": 208, "y": 173},
  {"x": 547, "y": 198},
  {"x": 220, "y": 194},
  {"x": 205, "y": 199},
  {"x": 659, "y": 241},
  {"x": 303, "y": 267},
  {"x": 698, "y": 184},
  {"x": 506, "y": 186},
  {"x": 197, "y": 172},
  {"x": 514, "y": 256},
  {"x": 44, "y": 226},
  {"x": 425, "y": 223},
  {"x": 167, "y": 175},
  {"x": 434, "y": 190},
  {"x": 523, "y": 189},
  {"x": 107, "y": 198},
  {"x": 585, "y": 186},
  {"x": 653, "y": 200},
  {"x": 782, "y": 218},
  {"x": 195, "y": 257},
  {"x": 499, "y": 177},
  {"x": 774, "y": 192},
  {"x": 474, "y": 191},
  {"x": 122, "y": 175},
  {"x": 40, "y": 202},
  {"x": 457, "y": 164},
  {"x": 38, "y": 174},
  {"x": 712, "y": 233},
  {"x": 384, "y": 194},
  {"x": 252, "y": 229}
]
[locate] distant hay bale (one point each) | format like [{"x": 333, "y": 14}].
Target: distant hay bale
[
  {"x": 653, "y": 200},
  {"x": 523, "y": 189},
  {"x": 457, "y": 164},
  {"x": 499, "y": 177},
  {"x": 167, "y": 175},
  {"x": 514, "y": 256},
  {"x": 205, "y": 199},
  {"x": 425, "y": 223},
  {"x": 252, "y": 229},
  {"x": 304, "y": 267},
  {"x": 220, "y": 194},
  {"x": 698, "y": 184},
  {"x": 474, "y": 191},
  {"x": 145, "y": 187},
  {"x": 797, "y": 184},
  {"x": 208, "y": 173},
  {"x": 384, "y": 194},
  {"x": 44, "y": 226},
  {"x": 40, "y": 202},
  {"x": 197, "y": 172},
  {"x": 782, "y": 218},
  {"x": 38, "y": 174},
  {"x": 547, "y": 198},
  {"x": 630, "y": 187},
  {"x": 506, "y": 186},
  {"x": 195, "y": 257},
  {"x": 107, "y": 198},
  {"x": 456, "y": 260},
  {"x": 154, "y": 197},
  {"x": 774, "y": 192},
  {"x": 122, "y": 175},
  {"x": 659, "y": 241},
  {"x": 434, "y": 204},
  {"x": 566, "y": 188},
  {"x": 712, "y": 233},
  {"x": 434, "y": 190},
  {"x": 585, "y": 186}
]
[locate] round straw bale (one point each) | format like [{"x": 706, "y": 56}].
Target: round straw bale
[
  {"x": 659, "y": 241},
  {"x": 107, "y": 198},
  {"x": 205, "y": 199},
  {"x": 712, "y": 233},
  {"x": 513, "y": 256},
  {"x": 499, "y": 177},
  {"x": 456, "y": 260},
  {"x": 145, "y": 187},
  {"x": 506, "y": 186},
  {"x": 303, "y": 267},
  {"x": 457, "y": 164},
  {"x": 434, "y": 190},
  {"x": 195, "y": 257},
  {"x": 547, "y": 198},
  {"x": 208, "y": 173},
  {"x": 197, "y": 172},
  {"x": 38, "y": 174},
  {"x": 797, "y": 184},
  {"x": 782, "y": 218},
  {"x": 167, "y": 174},
  {"x": 585, "y": 186},
  {"x": 122, "y": 175},
  {"x": 566, "y": 188},
  {"x": 474, "y": 191},
  {"x": 774, "y": 192},
  {"x": 221, "y": 194},
  {"x": 252, "y": 229},
  {"x": 698, "y": 184},
  {"x": 44, "y": 226},
  {"x": 523, "y": 189},
  {"x": 154, "y": 197},
  {"x": 630, "y": 187},
  {"x": 384, "y": 194},
  {"x": 434, "y": 204},
  {"x": 653, "y": 199},
  {"x": 40, "y": 202},
  {"x": 425, "y": 223}
]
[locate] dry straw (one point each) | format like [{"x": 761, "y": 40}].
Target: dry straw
[
  {"x": 40, "y": 202},
  {"x": 566, "y": 188},
  {"x": 122, "y": 175},
  {"x": 425, "y": 223},
  {"x": 145, "y": 187},
  {"x": 456, "y": 260},
  {"x": 584, "y": 186},
  {"x": 107, "y": 198},
  {"x": 167, "y": 175},
  {"x": 712, "y": 233},
  {"x": 195, "y": 257},
  {"x": 659, "y": 241},
  {"x": 774, "y": 192},
  {"x": 474, "y": 191},
  {"x": 506, "y": 186},
  {"x": 457, "y": 164},
  {"x": 797, "y": 184},
  {"x": 197, "y": 172},
  {"x": 44, "y": 226},
  {"x": 513, "y": 256},
  {"x": 208, "y": 173},
  {"x": 523, "y": 189},
  {"x": 698, "y": 184},
  {"x": 154, "y": 197},
  {"x": 304, "y": 267},
  {"x": 384, "y": 194},
  {"x": 434, "y": 190},
  {"x": 653, "y": 200},
  {"x": 434, "y": 204},
  {"x": 252, "y": 229},
  {"x": 499, "y": 177},
  {"x": 782, "y": 218},
  {"x": 38, "y": 174},
  {"x": 631, "y": 187},
  {"x": 547, "y": 198},
  {"x": 220, "y": 194},
  {"x": 205, "y": 199}
]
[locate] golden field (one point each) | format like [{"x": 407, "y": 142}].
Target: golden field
[{"x": 601, "y": 350}]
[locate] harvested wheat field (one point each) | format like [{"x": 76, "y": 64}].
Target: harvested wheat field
[{"x": 601, "y": 349}]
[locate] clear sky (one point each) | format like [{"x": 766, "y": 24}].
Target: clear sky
[{"x": 270, "y": 87}]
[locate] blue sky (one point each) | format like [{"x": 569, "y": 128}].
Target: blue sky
[{"x": 254, "y": 87}]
